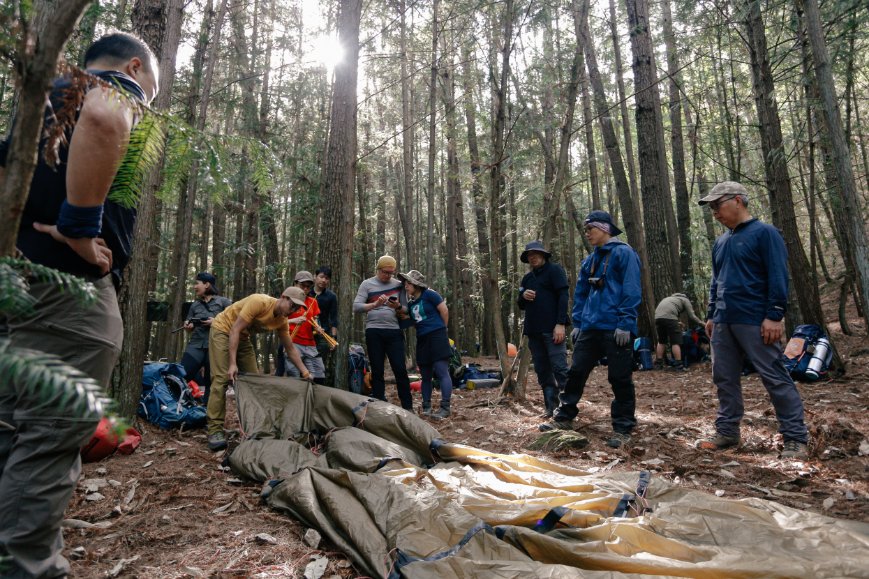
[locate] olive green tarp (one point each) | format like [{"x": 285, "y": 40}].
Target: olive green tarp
[{"x": 364, "y": 474}]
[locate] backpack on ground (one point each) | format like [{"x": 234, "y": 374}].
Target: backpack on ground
[
  {"x": 643, "y": 359},
  {"x": 695, "y": 345},
  {"x": 808, "y": 353},
  {"x": 106, "y": 441},
  {"x": 357, "y": 368},
  {"x": 457, "y": 369},
  {"x": 167, "y": 400}
]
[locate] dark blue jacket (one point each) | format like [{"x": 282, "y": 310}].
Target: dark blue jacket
[
  {"x": 749, "y": 275},
  {"x": 613, "y": 306},
  {"x": 549, "y": 307}
]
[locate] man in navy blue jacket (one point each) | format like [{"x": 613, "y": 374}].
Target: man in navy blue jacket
[
  {"x": 604, "y": 317},
  {"x": 747, "y": 303},
  {"x": 543, "y": 296}
]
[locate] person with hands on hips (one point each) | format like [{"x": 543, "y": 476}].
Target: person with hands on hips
[
  {"x": 543, "y": 297},
  {"x": 230, "y": 350},
  {"x": 745, "y": 319},
  {"x": 605, "y": 303}
]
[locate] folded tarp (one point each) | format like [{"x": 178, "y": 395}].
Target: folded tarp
[{"x": 384, "y": 487}]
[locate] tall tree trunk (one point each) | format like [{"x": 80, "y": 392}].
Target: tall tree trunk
[
  {"x": 477, "y": 196},
  {"x": 432, "y": 142},
  {"x": 159, "y": 24},
  {"x": 846, "y": 195},
  {"x": 680, "y": 182},
  {"x": 407, "y": 130},
  {"x": 339, "y": 176},
  {"x": 661, "y": 236},
  {"x": 496, "y": 177},
  {"x": 630, "y": 213},
  {"x": 623, "y": 108},
  {"x": 777, "y": 177}
]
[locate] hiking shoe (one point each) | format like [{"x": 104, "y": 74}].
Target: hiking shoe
[
  {"x": 618, "y": 439},
  {"x": 720, "y": 442},
  {"x": 795, "y": 449},
  {"x": 426, "y": 411},
  {"x": 555, "y": 425},
  {"x": 440, "y": 414},
  {"x": 216, "y": 441}
]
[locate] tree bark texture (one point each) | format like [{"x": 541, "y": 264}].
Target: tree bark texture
[
  {"x": 339, "y": 177},
  {"x": 159, "y": 24},
  {"x": 846, "y": 195},
  {"x": 661, "y": 238}
]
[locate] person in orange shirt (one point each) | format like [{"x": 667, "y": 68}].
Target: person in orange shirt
[{"x": 303, "y": 335}]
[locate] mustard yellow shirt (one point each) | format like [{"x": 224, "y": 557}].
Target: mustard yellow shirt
[{"x": 258, "y": 310}]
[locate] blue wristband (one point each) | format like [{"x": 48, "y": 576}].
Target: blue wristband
[{"x": 78, "y": 222}]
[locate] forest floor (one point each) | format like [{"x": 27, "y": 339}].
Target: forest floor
[{"x": 171, "y": 510}]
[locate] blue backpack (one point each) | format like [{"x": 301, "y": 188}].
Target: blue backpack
[
  {"x": 808, "y": 353},
  {"x": 167, "y": 400}
]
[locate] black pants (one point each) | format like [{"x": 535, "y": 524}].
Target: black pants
[
  {"x": 194, "y": 360},
  {"x": 384, "y": 344},
  {"x": 591, "y": 346}
]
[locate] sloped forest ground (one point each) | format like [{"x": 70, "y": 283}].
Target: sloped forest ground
[{"x": 171, "y": 510}]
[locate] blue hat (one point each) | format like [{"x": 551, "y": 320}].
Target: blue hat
[
  {"x": 535, "y": 245},
  {"x": 599, "y": 216}
]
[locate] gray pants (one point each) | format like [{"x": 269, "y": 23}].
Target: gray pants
[
  {"x": 311, "y": 359},
  {"x": 730, "y": 342},
  {"x": 40, "y": 456}
]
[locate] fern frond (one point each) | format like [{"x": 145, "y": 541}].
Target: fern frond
[
  {"x": 14, "y": 299},
  {"x": 143, "y": 153},
  {"x": 51, "y": 381}
]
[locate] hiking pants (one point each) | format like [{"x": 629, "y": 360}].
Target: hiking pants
[
  {"x": 40, "y": 441},
  {"x": 732, "y": 342},
  {"x": 550, "y": 365},
  {"x": 590, "y": 347},
  {"x": 312, "y": 361},
  {"x": 194, "y": 360},
  {"x": 385, "y": 343},
  {"x": 218, "y": 355},
  {"x": 440, "y": 370}
]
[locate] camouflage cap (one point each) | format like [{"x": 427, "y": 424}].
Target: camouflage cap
[{"x": 724, "y": 189}]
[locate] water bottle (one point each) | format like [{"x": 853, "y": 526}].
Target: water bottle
[{"x": 818, "y": 360}]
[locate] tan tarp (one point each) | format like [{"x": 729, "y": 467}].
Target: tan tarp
[{"x": 364, "y": 474}]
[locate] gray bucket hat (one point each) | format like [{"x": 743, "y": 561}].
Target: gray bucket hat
[{"x": 413, "y": 277}]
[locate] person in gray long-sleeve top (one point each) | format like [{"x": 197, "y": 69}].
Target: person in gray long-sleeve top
[
  {"x": 667, "y": 316},
  {"x": 381, "y": 298}
]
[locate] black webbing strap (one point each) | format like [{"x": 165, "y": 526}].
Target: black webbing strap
[
  {"x": 551, "y": 519},
  {"x": 630, "y": 499},
  {"x": 402, "y": 558}
]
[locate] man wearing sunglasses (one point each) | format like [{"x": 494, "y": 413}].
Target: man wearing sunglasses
[
  {"x": 745, "y": 319},
  {"x": 604, "y": 316}
]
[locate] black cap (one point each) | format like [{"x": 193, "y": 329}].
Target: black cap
[
  {"x": 599, "y": 216},
  {"x": 206, "y": 277}
]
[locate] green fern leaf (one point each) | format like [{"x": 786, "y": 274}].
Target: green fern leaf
[
  {"x": 144, "y": 152},
  {"x": 51, "y": 381},
  {"x": 14, "y": 299}
]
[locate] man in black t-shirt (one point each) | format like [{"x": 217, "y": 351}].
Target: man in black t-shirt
[
  {"x": 68, "y": 225},
  {"x": 543, "y": 296}
]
